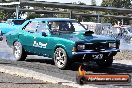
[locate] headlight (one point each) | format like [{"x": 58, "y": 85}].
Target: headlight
[
  {"x": 112, "y": 45},
  {"x": 81, "y": 47}
]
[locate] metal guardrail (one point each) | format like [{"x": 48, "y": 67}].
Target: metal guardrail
[{"x": 74, "y": 6}]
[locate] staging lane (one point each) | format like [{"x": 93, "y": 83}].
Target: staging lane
[{"x": 46, "y": 67}]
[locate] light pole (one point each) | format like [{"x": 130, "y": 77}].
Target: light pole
[{"x": 17, "y": 11}]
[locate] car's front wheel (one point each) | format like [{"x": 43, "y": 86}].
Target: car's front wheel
[
  {"x": 19, "y": 52},
  {"x": 104, "y": 63},
  {"x": 61, "y": 58}
]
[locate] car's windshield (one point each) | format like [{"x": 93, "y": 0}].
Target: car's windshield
[{"x": 66, "y": 26}]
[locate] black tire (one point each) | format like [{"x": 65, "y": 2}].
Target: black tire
[
  {"x": 61, "y": 58},
  {"x": 19, "y": 52},
  {"x": 105, "y": 63}
]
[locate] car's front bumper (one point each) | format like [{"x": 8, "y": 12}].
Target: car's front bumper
[{"x": 87, "y": 54}]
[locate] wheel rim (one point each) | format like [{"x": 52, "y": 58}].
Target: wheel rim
[
  {"x": 17, "y": 51},
  {"x": 60, "y": 58}
]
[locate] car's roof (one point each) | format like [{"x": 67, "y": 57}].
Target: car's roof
[{"x": 51, "y": 19}]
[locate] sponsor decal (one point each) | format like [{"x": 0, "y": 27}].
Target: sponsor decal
[
  {"x": 39, "y": 44},
  {"x": 83, "y": 78}
]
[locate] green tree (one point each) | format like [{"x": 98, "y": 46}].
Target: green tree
[
  {"x": 6, "y": 14},
  {"x": 117, "y": 4},
  {"x": 2, "y": 15},
  {"x": 32, "y": 15},
  {"x": 82, "y": 17}
]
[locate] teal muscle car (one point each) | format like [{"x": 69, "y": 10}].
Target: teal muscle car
[{"x": 63, "y": 40}]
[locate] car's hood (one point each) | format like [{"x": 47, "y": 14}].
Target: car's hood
[{"x": 86, "y": 38}]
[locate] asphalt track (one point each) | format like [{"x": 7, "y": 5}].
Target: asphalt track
[
  {"x": 36, "y": 63},
  {"x": 13, "y": 81}
]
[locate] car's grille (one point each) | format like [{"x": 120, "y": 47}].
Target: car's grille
[{"x": 96, "y": 46}]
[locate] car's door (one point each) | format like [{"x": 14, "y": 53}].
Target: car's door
[
  {"x": 43, "y": 46},
  {"x": 28, "y": 36}
]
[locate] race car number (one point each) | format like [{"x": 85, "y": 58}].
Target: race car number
[{"x": 98, "y": 56}]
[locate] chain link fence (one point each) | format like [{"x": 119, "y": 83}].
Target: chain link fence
[{"x": 120, "y": 32}]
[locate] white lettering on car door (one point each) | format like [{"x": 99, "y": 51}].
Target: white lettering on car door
[{"x": 39, "y": 44}]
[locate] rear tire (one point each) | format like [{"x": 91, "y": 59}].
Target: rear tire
[
  {"x": 61, "y": 58},
  {"x": 19, "y": 52},
  {"x": 104, "y": 63}
]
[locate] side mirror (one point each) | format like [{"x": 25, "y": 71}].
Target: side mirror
[{"x": 44, "y": 34}]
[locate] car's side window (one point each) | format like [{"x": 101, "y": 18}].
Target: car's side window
[
  {"x": 31, "y": 27},
  {"x": 60, "y": 26},
  {"x": 42, "y": 28}
]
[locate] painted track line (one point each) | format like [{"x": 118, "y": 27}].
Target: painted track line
[{"x": 39, "y": 76}]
